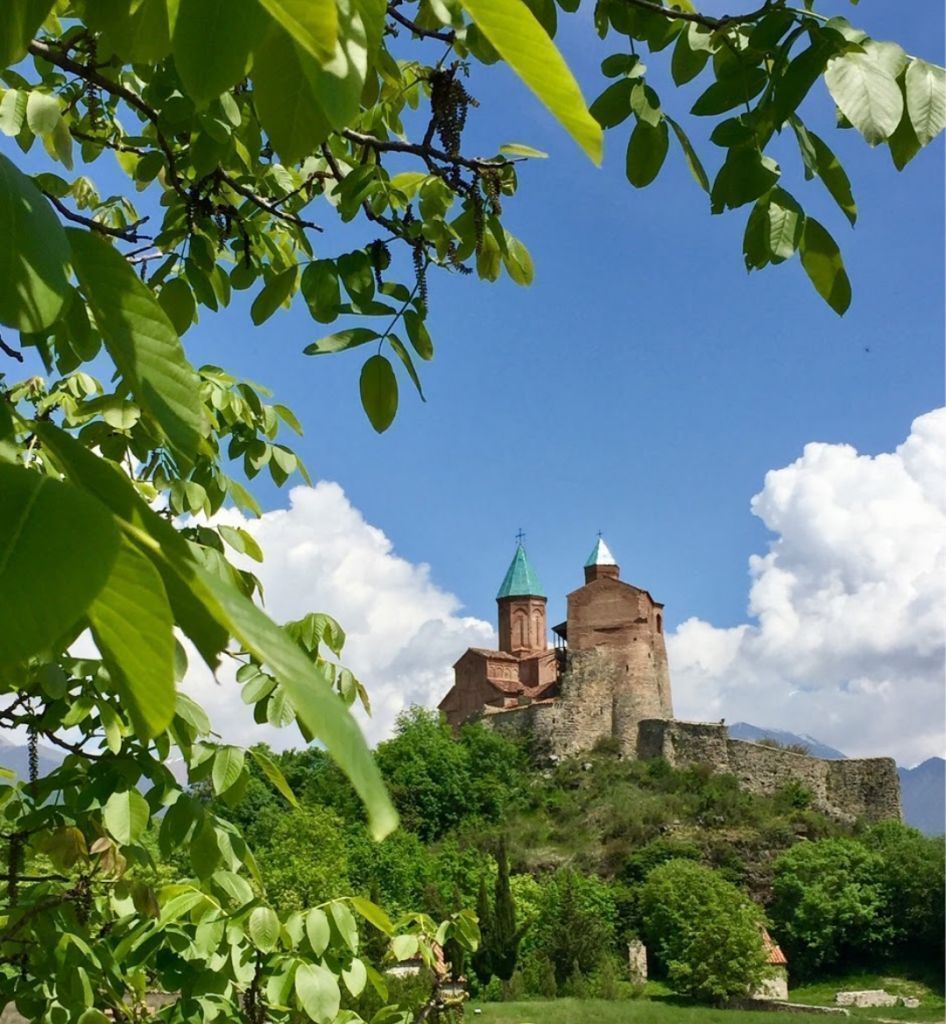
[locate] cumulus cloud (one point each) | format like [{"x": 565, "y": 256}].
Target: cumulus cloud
[
  {"x": 404, "y": 632},
  {"x": 848, "y": 605}
]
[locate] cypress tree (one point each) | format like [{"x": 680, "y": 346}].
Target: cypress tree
[
  {"x": 505, "y": 937},
  {"x": 483, "y": 957}
]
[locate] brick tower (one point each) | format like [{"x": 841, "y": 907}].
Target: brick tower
[
  {"x": 521, "y": 607},
  {"x": 626, "y": 624}
]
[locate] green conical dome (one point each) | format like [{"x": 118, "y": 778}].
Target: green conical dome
[{"x": 520, "y": 579}]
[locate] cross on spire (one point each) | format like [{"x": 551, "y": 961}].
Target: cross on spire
[
  {"x": 520, "y": 537},
  {"x": 599, "y": 533}
]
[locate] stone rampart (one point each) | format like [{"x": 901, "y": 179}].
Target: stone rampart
[{"x": 846, "y": 790}]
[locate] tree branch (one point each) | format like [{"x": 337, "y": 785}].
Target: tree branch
[
  {"x": 265, "y": 204},
  {"x": 426, "y": 153},
  {"x": 446, "y": 36},
  {"x": 11, "y": 352},
  {"x": 89, "y": 74},
  {"x": 129, "y": 234},
  {"x": 714, "y": 24}
]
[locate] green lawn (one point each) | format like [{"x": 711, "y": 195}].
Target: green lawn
[
  {"x": 625, "y": 1011},
  {"x": 668, "y": 1011}
]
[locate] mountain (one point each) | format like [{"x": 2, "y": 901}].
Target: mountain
[
  {"x": 17, "y": 758},
  {"x": 745, "y": 731},
  {"x": 923, "y": 792}
]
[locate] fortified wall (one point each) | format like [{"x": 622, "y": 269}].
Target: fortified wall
[
  {"x": 845, "y": 790},
  {"x": 585, "y": 711},
  {"x": 608, "y": 679}
]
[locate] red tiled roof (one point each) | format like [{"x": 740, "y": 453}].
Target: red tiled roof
[
  {"x": 502, "y": 655},
  {"x": 774, "y": 953}
]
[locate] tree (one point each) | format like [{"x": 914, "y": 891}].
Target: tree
[
  {"x": 503, "y": 937},
  {"x": 705, "y": 932},
  {"x": 828, "y": 904},
  {"x": 239, "y": 127},
  {"x": 483, "y": 957}
]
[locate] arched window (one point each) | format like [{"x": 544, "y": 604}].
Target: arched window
[
  {"x": 520, "y": 629},
  {"x": 537, "y": 639},
  {"x": 660, "y": 623}
]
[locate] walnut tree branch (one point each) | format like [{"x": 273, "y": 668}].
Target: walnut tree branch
[
  {"x": 129, "y": 234},
  {"x": 714, "y": 24}
]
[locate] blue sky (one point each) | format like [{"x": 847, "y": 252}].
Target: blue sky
[{"x": 645, "y": 383}]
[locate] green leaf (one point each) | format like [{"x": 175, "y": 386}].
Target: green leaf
[
  {"x": 115, "y": 491},
  {"x": 614, "y": 105},
  {"x": 274, "y": 293},
  {"x": 866, "y": 93},
  {"x": 404, "y": 947},
  {"x": 177, "y": 301},
  {"x": 288, "y": 417},
  {"x": 822, "y": 261},
  {"x": 272, "y": 772},
  {"x": 517, "y": 261},
  {"x": 300, "y": 101},
  {"x": 227, "y": 768},
  {"x": 687, "y": 62},
  {"x": 732, "y": 91},
  {"x": 355, "y": 977},
  {"x": 263, "y": 928},
  {"x": 693, "y": 161},
  {"x": 341, "y": 341},
  {"x": 518, "y": 149},
  {"x": 34, "y": 254},
  {"x": 525, "y": 46},
  {"x": 372, "y": 913},
  {"x": 317, "y": 991},
  {"x": 318, "y": 930},
  {"x": 345, "y": 923},
  {"x": 20, "y": 22},
  {"x": 418, "y": 335},
  {"x": 141, "y": 340},
  {"x": 835, "y": 178},
  {"x": 401, "y": 351},
  {"x": 785, "y": 222},
  {"x": 234, "y": 26},
  {"x": 312, "y": 24},
  {"x": 57, "y": 549},
  {"x": 646, "y": 152},
  {"x": 133, "y": 628},
  {"x": 43, "y": 113},
  {"x": 379, "y": 392},
  {"x": 746, "y": 175},
  {"x": 126, "y": 815},
  {"x": 926, "y": 99},
  {"x": 321, "y": 291},
  {"x": 241, "y": 541}
]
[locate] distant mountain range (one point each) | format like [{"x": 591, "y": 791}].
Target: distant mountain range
[
  {"x": 923, "y": 788},
  {"x": 745, "y": 731}
]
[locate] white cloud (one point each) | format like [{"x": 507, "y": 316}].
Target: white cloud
[
  {"x": 849, "y": 605},
  {"x": 404, "y": 632}
]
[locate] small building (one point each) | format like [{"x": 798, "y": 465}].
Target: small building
[{"x": 775, "y": 984}]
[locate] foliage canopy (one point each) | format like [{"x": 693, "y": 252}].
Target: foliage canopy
[{"x": 239, "y": 127}]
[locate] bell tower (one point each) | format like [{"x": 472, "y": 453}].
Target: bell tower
[{"x": 521, "y": 605}]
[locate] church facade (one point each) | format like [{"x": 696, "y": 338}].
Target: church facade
[{"x": 606, "y": 677}]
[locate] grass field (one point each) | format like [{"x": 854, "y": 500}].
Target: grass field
[{"x": 670, "y": 1011}]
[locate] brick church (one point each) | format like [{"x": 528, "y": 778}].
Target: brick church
[
  {"x": 607, "y": 678},
  {"x": 619, "y": 620}
]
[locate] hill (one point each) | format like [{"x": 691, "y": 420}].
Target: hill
[{"x": 923, "y": 791}]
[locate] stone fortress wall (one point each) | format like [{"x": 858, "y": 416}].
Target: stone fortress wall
[{"x": 587, "y": 709}]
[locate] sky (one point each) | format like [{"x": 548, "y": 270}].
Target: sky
[{"x": 772, "y": 472}]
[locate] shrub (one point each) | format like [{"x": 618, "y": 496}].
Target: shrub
[
  {"x": 829, "y": 904},
  {"x": 705, "y": 932}
]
